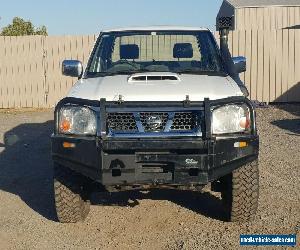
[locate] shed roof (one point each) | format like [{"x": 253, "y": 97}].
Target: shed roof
[{"x": 262, "y": 3}]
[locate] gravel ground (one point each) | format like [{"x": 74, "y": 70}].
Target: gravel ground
[{"x": 141, "y": 220}]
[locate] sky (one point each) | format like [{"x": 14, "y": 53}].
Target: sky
[{"x": 81, "y": 17}]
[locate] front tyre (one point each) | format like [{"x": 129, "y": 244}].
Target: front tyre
[
  {"x": 71, "y": 195},
  {"x": 240, "y": 192}
]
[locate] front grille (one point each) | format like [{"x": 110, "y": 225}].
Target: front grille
[
  {"x": 121, "y": 122},
  {"x": 150, "y": 122},
  {"x": 184, "y": 121},
  {"x": 154, "y": 122}
]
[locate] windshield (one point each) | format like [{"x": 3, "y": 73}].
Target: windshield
[{"x": 161, "y": 51}]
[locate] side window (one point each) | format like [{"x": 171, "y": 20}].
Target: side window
[
  {"x": 95, "y": 63},
  {"x": 102, "y": 56}
]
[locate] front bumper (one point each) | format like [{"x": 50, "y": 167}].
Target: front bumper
[
  {"x": 154, "y": 161},
  {"x": 164, "y": 160}
]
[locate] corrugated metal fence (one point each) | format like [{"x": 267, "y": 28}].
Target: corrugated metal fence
[
  {"x": 273, "y": 57},
  {"x": 30, "y": 67}
]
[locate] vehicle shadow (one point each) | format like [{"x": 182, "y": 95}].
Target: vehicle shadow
[
  {"x": 203, "y": 203},
  {"x": 26, "y": 171},
  {"x": 26, "y": 168}
]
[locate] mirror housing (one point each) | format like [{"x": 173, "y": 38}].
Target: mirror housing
[
  {"x": 239, "y": 64},
  {"x": 72, "y": 68}
]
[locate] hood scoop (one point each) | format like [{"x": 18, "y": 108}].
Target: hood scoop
[{"x": 152, "y": 77}]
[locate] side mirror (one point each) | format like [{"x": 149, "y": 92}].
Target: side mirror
[
  {"x": 72, "y": 68},
  {"x": 239, "y": 64}
]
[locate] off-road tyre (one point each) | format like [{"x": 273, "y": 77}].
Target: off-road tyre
[
  {"x": 71, "y": 195},
  {"x": 240, "y": 192}
]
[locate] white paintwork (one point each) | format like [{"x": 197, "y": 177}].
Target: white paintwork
[
  {"x": 197, "y": 87},
  {"x": 156, "y": 28}
]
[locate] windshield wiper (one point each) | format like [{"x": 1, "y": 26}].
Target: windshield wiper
[
  {"x": 103, "y": 74},
  {"x": 120, "y": 72},
  {"x": 131, "y": 72},
  {"x": 201, "y": 72}
]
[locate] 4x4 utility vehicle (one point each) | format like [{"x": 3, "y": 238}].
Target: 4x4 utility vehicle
[{"x": 156, "y": 107}]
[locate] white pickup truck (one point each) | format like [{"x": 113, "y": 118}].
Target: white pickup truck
[{"x": 156, "y": 107}]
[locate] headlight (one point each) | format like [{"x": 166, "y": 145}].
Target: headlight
[
  {"x": 77, "y": 120},
  {"x": 231, "y": 118}
]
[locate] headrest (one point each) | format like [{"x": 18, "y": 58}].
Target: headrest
[
  {"x": 183, "y": 50},
  {"x": 129, "y": 51}
]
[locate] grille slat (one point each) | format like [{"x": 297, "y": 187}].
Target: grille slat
[
  {"x": 147, "y": 122},
  {"x": 121, "y": 122},
  {"x": 184, "y": 121}
]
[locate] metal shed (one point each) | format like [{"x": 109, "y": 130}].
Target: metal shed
[{"x": 260, "y": 14}]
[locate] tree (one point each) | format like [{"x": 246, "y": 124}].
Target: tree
[{"x": 20, "y": 27}]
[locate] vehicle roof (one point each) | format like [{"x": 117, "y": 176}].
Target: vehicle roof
[{"x": 156, "y": 28}]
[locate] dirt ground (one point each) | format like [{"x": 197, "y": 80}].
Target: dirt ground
[{"x": 141, "y": 220}]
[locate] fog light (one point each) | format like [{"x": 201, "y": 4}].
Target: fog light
[
  {"x": 69, "y": 145},
  {"x": 241, "y": 144}
]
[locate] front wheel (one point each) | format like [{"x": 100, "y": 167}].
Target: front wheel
[
  {"x": 71, "y": 195},
  {"x": 240, "y": 192}
]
